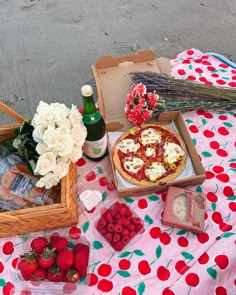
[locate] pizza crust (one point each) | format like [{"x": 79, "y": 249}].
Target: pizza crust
[{"x": 145, "y": 182}]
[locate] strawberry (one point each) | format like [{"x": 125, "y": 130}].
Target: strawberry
[
  {"x": 27, "y": 265},
  {"x": 47, "y": 258},
  {"x": 65, "y": 259},
  {"x": 39, "y": 275},
  {"x": 39, "y": 244},
  {"x": 81, "y": 259},
  {"x": 60, "y": 244},
  {"x": 55, "y": 274},
  {"x": 79, "y": 247},
  {"x": 72, "y": 276}
]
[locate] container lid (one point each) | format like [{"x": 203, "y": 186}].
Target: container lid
[{"x": 86, "y": 90}]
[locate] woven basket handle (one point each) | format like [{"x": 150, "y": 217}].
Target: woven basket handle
[
  {"x": 10, "y": 112},
  {"x": 6, "y": 218}
]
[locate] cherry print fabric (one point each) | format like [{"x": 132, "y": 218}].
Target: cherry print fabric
[{"x": 163, "y": 260}]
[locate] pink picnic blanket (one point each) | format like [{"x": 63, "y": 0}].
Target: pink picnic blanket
[{"x": 163, "y": 260}]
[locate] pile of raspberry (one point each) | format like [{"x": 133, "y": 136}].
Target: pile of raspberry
[{"x": 118, "y": 225}]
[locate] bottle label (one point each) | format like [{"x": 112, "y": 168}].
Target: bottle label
[
  {"x": 91, "y": 118},
  {"x": 96, "y": 149}
]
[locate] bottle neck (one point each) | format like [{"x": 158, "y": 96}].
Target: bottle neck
[
  {"x": 89, "y": 105},
  {"x": 90, "y": 113}
]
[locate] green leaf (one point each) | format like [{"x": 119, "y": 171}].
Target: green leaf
[
  {"x": 227, "y": 124},
  {"x": 199, "y": 189},
  {"x": 204, "y": 121},
  {"x": 181, "y": 232},
  {"x": 153, "y": 198},
  {"x": 85, "y": 226},
  {"x": 225, "y": 78},
  {"x": 233, "y": 169},
  {"x": 2, "y": 283},
  {"x": 187, "y": 255},
  {"x": 141, "y": 288},
  {"x": 104, "y": 196},
  {"x": 99, "y": 169},
  {"x": 71, "y": 245},
  {"x": 206, "y": 154},
  {"x": 139, "y": 253},
  {"x": 213, "y": 206},
  {"x": 25, "y": 237},
  {"x": 148, "y": 219},
  {"x": 232, "y": 160},
  {"x": 228, "y": 234},
  {"x": 212, "y": 272},
  {"x": 190, "y": 67},
  {"x": 158, "y": 252},
  {"x": 123, "y": 273},
  {"x": 223, "y": 70},
  {"x": 97, "y": 245},
  {"x": 221, "y": 112},
  {"x": 194, "y": 141},
  {"x": 128, "y": 200},
  {"x": 188, "y": 121},
  {"x": 231, "y": 198},
  {"x": 125, "y": 254}
]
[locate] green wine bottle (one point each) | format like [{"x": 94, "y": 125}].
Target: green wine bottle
[{"x": 95, "y": 145}]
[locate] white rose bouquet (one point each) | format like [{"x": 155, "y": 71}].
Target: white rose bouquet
[{"x": 51, "y": 141}]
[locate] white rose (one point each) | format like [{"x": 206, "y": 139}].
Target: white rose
[
  {"x": 42, "y": 148},
  {"x": 38, "y": 132},
  {"x": 62, "y": 110},
  {"x": 75, "y": 118},
  {"x": 64, "y": 144},
  {"x": 61, "y": 169},
  {"x": 48, "y": 116},
  {"x": 76, "y": 153},
  {"x": 65, "y": 123},
  {"x": 78, "y": 135},
  {"x": 49, "y": 180},
  {"x": 50, "y": 137},
  {"x": 45, "y": 163}
]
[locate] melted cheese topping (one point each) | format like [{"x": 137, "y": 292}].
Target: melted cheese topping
[
  {"x": 150, "y": 152},
  {"x": 172, "y": 152},
  {"x": 128, "y": 145},
  {"x": 149, "y": 136},
  {"x": 133, "y": 164},
  {"x": 156, "y": 171}
]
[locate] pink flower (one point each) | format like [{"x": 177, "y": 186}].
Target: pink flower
[
  {"x": 153, "y": 98},
  {"x": 140, "y": 104}
]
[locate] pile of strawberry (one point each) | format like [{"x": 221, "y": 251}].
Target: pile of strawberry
[
  {"x": 54, "y": 259},
  {"x": 118, "y": 225}
]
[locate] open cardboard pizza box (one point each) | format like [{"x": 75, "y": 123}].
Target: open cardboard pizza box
[{"x": 113, "y": 84}]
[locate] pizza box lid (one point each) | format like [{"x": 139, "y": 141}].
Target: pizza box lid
[{"x": 113, "y": 84}]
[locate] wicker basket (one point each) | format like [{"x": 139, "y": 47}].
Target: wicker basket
[{"x": 61, "y": 214}]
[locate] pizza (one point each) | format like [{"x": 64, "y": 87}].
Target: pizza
[{"x": 149, "y": 154}]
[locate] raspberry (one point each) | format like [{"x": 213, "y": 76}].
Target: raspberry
[
  {"x": 119, "y": 246},
  {"x": 125, "y": 239},
  {"x": 136, "y": 220},
  {"x": 120, "y": 221},
  {"x": 122, "y": 211},
  {"x": 116, "y": 205},
  {"x": 110, "y": 227},
  {"x": 117, "y": 216},
  {"x": 128, "y": 212},
  {"x": 125, "y": 222},
  {"x": 116, "y": 238},
  {"x": 139, "y": 227},
  {"x": 103, "y": 231},
  {"x": 132, "y": 234},
  {"x": 125, "y": 232},
  {"x": 113, "y": 212},
  {"x": 131, "y": 227},
  {"x": 108, "y": 237},
  {"x": 109, "y": 218},
  {"x": 118, "y": 228},
  {"x": 101, "y": 223}
]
